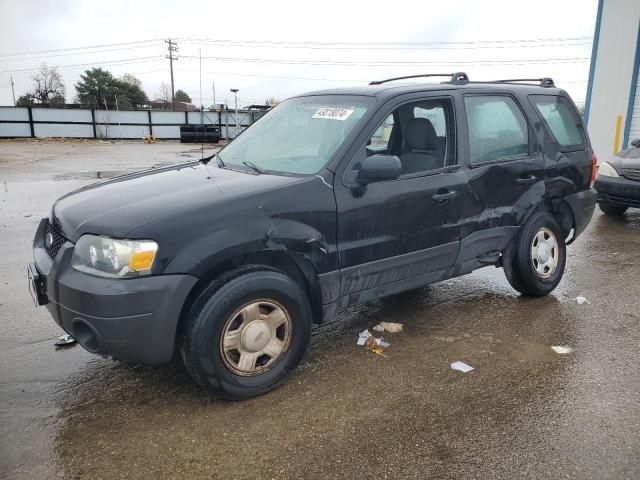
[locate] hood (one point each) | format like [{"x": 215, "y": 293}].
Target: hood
[
  {"x": 117, "y": 206},
  {"x": 629, "y": 158}
]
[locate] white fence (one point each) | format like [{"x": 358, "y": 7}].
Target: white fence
[{"x": 16, "y": 122}]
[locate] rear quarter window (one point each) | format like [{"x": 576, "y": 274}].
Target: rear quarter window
[{"x": 561, "y": 121}]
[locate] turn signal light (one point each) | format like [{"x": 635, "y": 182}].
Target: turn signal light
[{"x": 141, "y": 260}]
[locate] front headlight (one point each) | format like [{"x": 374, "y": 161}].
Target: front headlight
[
  {"x": 114, "y": 258},
  {"x": 606, "y": 170}
]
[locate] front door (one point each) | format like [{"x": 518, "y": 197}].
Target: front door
[{"x": 403, "y": 229}]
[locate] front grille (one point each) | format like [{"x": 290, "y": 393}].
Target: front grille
[
  {"x": 53, "y": 240},
  {"x": 631, "y": 173}
]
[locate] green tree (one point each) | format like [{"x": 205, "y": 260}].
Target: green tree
[
  {"x": 57, "y": 101},
  {"x": 182, "y": 96},
  {"x": 25, "y": 101},
  {"x": 95, "y": 88},
  {"x": 98, "y": 88},
  {"x": 129, "y": 89}
]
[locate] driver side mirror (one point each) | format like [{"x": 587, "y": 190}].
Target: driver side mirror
[{"x": 378, "y": 168}]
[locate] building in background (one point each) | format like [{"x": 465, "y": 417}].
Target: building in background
[
  {"x": 160, "y": 104},
  {"x": 612, "y": 108}
]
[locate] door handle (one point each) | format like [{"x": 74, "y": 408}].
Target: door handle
[
  {"x": 445, "y": 197},
  {"x": 526, "y": 180}
]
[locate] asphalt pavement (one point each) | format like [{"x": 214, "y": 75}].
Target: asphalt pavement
[{"x": 525, "y": 411}]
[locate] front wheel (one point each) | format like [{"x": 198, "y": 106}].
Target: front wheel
[
  {"x": 534, "y": 262},
  {"x": 246, "y": 332},
  {"x": 609, "y": 209}
]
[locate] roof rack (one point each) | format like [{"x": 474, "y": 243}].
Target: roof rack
[
  {"x": 456, "y": 78},
  {"x": 543, "y": 82}
]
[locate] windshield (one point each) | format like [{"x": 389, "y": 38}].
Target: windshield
[{"x": 299, "y": 136}]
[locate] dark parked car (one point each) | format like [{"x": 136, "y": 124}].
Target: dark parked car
[
  {"x": 618, "y": 181},
  {"x": 332, "y": 198}
]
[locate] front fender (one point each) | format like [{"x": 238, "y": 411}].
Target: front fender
[{"x": 257, "y": 234}]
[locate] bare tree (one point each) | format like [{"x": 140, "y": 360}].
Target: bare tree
[
  {"x": 132, "y": 80},
  {"x": 165, "y": 92},
  {"x": 48, "y": 86},
  {"x": 272, "y": 101}
]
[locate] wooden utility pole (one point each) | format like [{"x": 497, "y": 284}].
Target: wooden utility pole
[
  {"x": 13, "y": 92},
  {"x": 173, "y": 47}
]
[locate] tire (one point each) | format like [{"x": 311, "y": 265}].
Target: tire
[
  {"x": 609, "y": 209},
  {"x": 244, "y": 365},
  {"x": 531, "y": 277}
]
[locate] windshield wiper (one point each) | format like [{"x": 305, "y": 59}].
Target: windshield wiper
[
  {"x": 253, "y": 166},
  {"x": 206, "y": 160},
  {"x": 221, "y": 164}
]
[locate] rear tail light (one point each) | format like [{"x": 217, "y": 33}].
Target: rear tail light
[{"x": 594, "y": 167}]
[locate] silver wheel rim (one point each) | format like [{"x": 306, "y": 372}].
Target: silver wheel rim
[
  {"x": 255, "y": 337},
  {"x": 545, "y": 253}
]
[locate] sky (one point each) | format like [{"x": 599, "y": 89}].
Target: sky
[{"x": 283, "y": 48}]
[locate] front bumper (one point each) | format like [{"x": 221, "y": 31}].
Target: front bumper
[
  {"x": 131, "y": 319},
  {"x": 618, "y": 191}
]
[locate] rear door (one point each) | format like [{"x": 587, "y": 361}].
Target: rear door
[{"x": 505, "y": 172}]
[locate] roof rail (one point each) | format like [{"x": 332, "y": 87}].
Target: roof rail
[
  {"x": 455, "y": 78},
  {"x": 543, "y": 82}
]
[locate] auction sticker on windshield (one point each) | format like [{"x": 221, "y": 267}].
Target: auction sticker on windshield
[{"x": 333, "y": 113}]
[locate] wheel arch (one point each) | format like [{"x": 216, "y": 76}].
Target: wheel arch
[{"x": 292, "y": 264}]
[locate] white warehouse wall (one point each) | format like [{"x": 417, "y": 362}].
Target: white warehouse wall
[{"x": 612, "y": 67}]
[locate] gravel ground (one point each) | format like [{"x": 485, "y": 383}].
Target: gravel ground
[{"x": 524, "y": 412}]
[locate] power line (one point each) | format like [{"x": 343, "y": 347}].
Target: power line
[
  {"x": 316, "y": 44},
  {"x": 367, "y": 47},
  {"x": 342, "y": 80},
  {"x": 119, "y": 49},
  {"x": 392, "y": 62},
  {"x": 130, "y": 61},
  {"x": 4, "y": 55},
  {"x": 284, "y": 77},
  {"x": 365, "y": 43}
]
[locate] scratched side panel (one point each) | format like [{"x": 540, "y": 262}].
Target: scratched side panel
[{"x": 299, "y": 217}]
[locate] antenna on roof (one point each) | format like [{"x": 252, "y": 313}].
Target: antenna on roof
[{"x": 201, "y": 109}]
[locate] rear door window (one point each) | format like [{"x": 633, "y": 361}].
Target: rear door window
[
  {"x": 498, "y": 130},
  {"x": 561, "y": 120}
]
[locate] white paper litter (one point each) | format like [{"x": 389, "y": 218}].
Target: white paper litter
[
  {"x": 581, "y": 300},
  {"x": 562, "y": 350},
  {"x": 388, "y": 327},
  {"x": 65, "y": 340},
  {"x": 461, "y": 367},
  {"x": 382, "y": 343},
  {"x": 362, "y": 337}
]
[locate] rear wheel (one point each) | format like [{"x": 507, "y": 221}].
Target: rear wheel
[
  {"x": 534, "y": 262},
  {"x": 246, "y": 332},
  {"x": 609, "y": 209}
]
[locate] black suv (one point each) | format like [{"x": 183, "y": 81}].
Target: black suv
[{"x": 333, "y": 198}]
